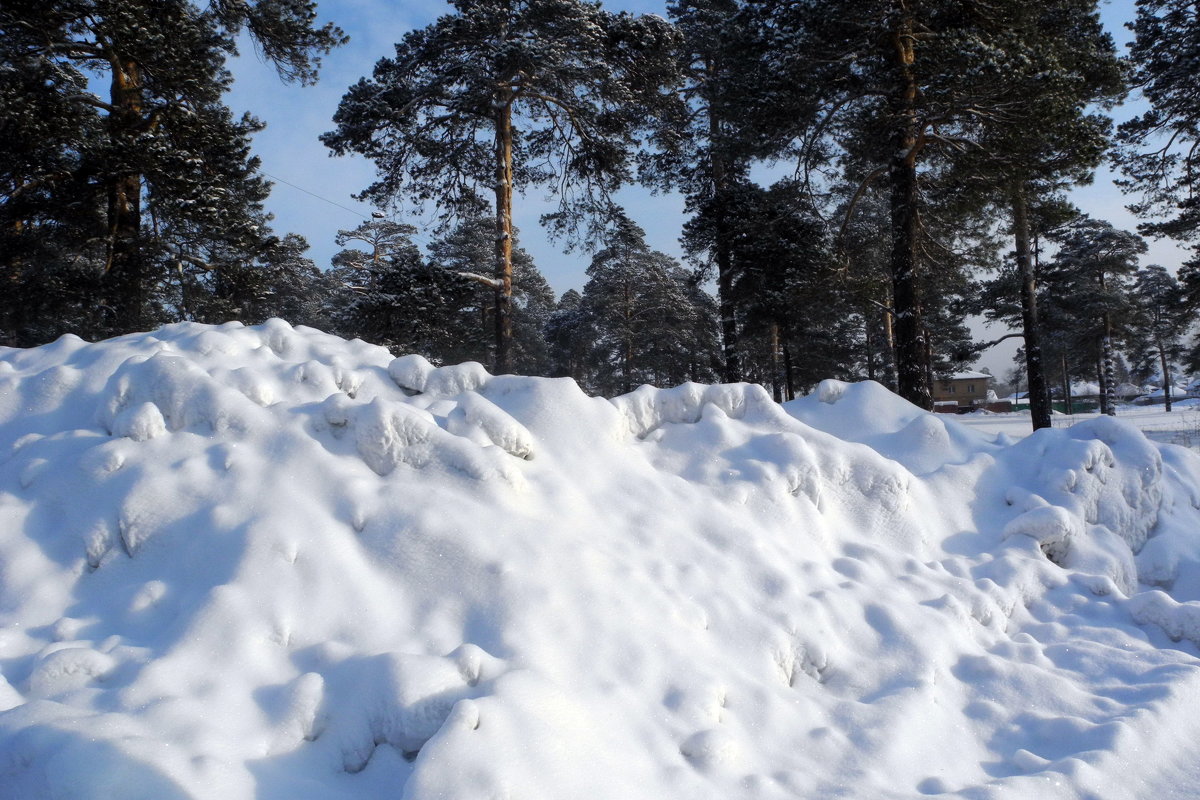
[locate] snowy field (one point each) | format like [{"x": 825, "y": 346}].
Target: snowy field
[
  {"x": 1181, "y": 426},
  {"x": 267, "y": 563}
]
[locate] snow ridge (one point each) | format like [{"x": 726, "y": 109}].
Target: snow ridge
[{"x": 265, "y": 562}]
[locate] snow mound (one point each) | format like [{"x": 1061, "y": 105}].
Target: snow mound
[
  {"x": 868, "y": 413},
  {"x": 265, "y": 562}
]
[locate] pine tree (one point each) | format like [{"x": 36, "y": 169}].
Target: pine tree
[
  {"x": 50, "y": 219},
  {"x": 1189, "y": 286},
  {"x": 915, "y": 77},
  {"x": 569, "y": 338},
  {"x": 162, "y": 159},
  {"x": 956, "y": 243},
  {"x": 504, "y": 93},
  {"x": 704, "y": 146},
  {"x": 390, "y": 295},
  {"x": 1159, "y": 146},
  {"x": 1089, "y": 279},
  {"x": 279, "y": 282},
  {"x": 785, "y": 291},
  {"x": 642, "y": 313},
  {"x": 467, "y": 252},
  {"x": 1028, "y": 152},
  {"x": 1159, "y": 321}
]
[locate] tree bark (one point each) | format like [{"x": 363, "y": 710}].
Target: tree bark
[
  {"x": 788, "y": 373},
  {"x": 911, "y": 369},
  {"x": 627, "y": 354},
  {"x": 504, "y": 198},
  {"x": 1066, "y": 378},
  {"x": 889, "y": 358},
  {"x": 776, "y": 372},
  {"x": 1108, "y": 367},
  {"x": 1100, "y": 379},
  {"x": 124, "y": 274},
  {"x": 1162, "y": 359},
  {"x": 719, "y": 174},
  {"x": 1039, "y": 390},
  {"x": 869, "y": 346}
]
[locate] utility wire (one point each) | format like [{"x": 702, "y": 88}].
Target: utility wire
[
  {"x": 358, "y": 214},
  {"x": 420, "y": 237}
]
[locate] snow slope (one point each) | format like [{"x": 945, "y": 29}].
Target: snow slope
[{"x": 267, "y": 563}]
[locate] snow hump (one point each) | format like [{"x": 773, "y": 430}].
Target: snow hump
[{"x": 265, "y": 562}]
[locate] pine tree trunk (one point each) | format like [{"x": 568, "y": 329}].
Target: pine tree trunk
[
  {"x": 722, "y": 242},
  {"x": 1110, "y": 388},
  {"x": 776, "y": 372},
  {"x": 124, "y": 274},
  {"x": 1106, "y": 366},
  {"x": 788, "y": 373},
  {"x": 1039, "y": 390},
  {"x": 1162, "y": 360},
  {"x": 911, "y": 370},
  {"x": 869, "y": 347},
  {"x": 729, "y": 330},
  {"x": 1066, "y": 378},
  {"x": 504, "y": 227},
  {"x": 13, "y": 313},
  {"x": 627, "y": 355},
  {"x": 889, "y": 361}
]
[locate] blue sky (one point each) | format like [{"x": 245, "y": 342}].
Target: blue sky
[{"x": 302, "y": 167}]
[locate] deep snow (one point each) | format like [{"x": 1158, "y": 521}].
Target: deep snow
[{"x": 267, "y": 563}]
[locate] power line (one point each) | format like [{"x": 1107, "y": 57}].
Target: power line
[
  {"x": 420, "y": 237},
  {"x": 358, "y": 214}
]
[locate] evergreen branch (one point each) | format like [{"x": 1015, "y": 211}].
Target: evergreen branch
[
  {"x": 93, "y": 100},
  {"x": 1005, "y": 337},
  {"x": 485, "y": 280},
  {"x": 35, "y": 183},
  {"x": 858, "y": 193}
]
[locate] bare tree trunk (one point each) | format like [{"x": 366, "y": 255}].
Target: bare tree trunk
[
  {"x": 504, "y": 227},
  {"x": 1039, "y": 390},
  {"x": 911, "y": 370}
]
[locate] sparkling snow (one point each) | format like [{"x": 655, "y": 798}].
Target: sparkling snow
[{"x": 268, "y": 563}]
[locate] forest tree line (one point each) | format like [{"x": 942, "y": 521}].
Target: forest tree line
[{"x": 920, "y": 154}]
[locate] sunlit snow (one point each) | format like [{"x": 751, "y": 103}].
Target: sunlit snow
[{"x": 268, "y": 563}]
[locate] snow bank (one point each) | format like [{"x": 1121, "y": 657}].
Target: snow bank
[{"x": 265, "y": 562}]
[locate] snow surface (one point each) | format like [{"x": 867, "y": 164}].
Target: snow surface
[{"x": 268, "y": 563}]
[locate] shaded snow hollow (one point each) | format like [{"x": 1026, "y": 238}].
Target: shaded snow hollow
[{"x": 268, "y": 563}]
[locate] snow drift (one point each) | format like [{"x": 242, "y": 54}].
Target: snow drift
[{"x": 268, "y": 563}]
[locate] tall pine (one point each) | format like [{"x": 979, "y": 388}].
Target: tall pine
[
  {"x": 166, "y": 165},
  {"x": 1160, "y": 145},
  {"x": 501, "y": 94},
  {"x": 917, "y": 75},
  {"x": 1026, "y": 153}
]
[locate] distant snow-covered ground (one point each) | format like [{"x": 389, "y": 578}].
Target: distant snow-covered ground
[
  {"x": 268, "y": 563},
  {"x": 1181, "y": 426}
]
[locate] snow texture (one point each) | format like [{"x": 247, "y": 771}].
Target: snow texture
[{"x": 269, "y": 563}]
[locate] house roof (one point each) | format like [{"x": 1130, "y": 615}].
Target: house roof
[{"x": 968, "y": 375}]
